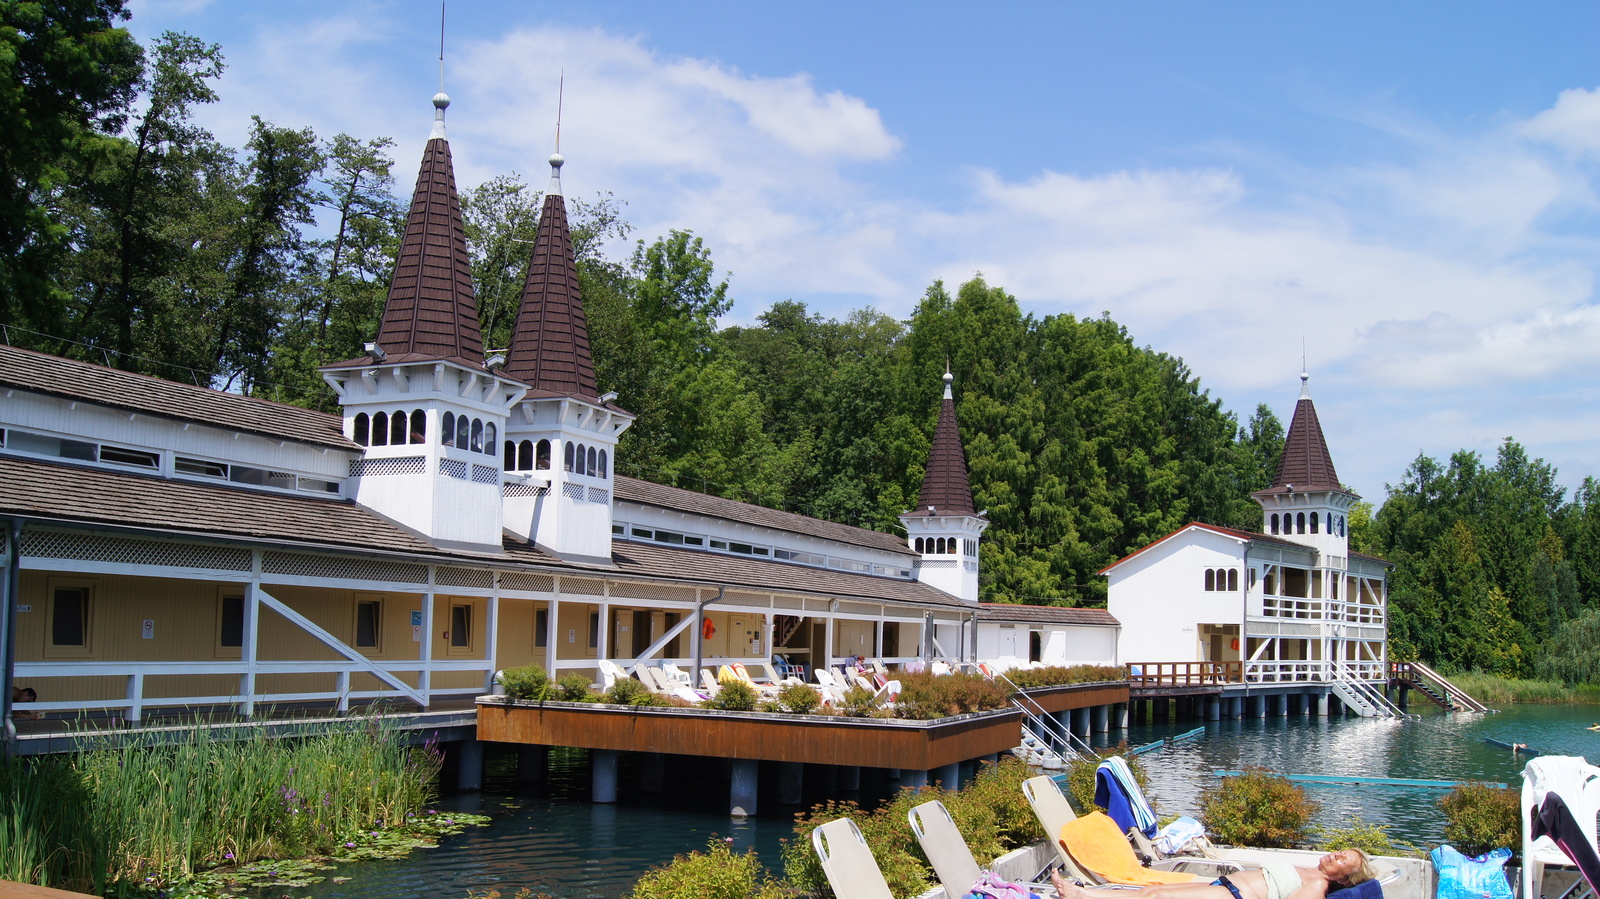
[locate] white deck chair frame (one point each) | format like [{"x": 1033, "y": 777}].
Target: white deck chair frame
[
  {"x": 847, "y": 861},
  {"x": 1578, "y": 784},
  {"x": 947, "y": 850}
]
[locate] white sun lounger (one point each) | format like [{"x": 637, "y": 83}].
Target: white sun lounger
[
  {"x": 847, "y": 861},
  {"x": 947, "y": 850}
]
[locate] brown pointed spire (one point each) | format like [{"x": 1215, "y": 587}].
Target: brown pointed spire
[
  {"x": 1305, "y": 464},
  {"x": 550, "y": 346},
  {"x": 945, "y": 488},
  {"x": 431, "y": 311}
]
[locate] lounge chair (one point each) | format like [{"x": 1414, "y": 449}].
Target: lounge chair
[
  {"x": 947, "y": 850},
  {"x": 1053, "y": 810},
  {"x": 1576, "y": 784},
  {"x": 1055, "y": 814},
  {"x": 659, "y": 682},
  {"x": 847, "y": 861},
  {"x": 832, "y": 690},
  {"x": 774, "y": 677}
]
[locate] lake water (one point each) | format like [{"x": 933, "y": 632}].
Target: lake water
[{"x": 548, "y": 838}]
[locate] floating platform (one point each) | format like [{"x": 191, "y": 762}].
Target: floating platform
[{"x": 1362, "y": 780}]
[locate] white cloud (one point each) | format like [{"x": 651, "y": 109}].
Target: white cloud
[{"x": 1573, "y": 123}]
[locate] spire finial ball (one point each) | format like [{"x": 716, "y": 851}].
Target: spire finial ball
[
  {"x": 948, "y": 378},
  {"x": 1305, "y": 376},
  {"x": 441, "y": 100},
  {"x": 556, "y": 161}
]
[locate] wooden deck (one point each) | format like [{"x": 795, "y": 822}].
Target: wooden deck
[
  {"x": 815, "y": 739},
  {"x": 13, "y": 890},
  {"x": 1076, "y": 696}
]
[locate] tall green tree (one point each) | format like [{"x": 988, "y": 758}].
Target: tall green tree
[{"x": 68, "y": 73}]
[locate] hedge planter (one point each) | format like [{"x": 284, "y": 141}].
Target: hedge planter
[{"x": 817, "y": 739}]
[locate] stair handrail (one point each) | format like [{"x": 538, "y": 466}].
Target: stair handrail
[
  {"x": 1054, "y": 733},
  {"x": 1452, "y": 691},
  {"x": 1367, "y": 692}
]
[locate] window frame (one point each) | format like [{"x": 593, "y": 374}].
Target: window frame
[
  {"x": 377, "y": 601},
  {"x": 226, "y": 592},
  {"x": 89, "y": 587},
  {"x": 451, "y": 646}
]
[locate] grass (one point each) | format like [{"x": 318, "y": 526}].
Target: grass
[
  {"x": 156, "y": 814},
  {"x": 1492, "y": 689}
]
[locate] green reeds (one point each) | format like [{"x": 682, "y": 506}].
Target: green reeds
[
  {"x": 194, "y": 800},
  {"x": 1492, "y": 689}
]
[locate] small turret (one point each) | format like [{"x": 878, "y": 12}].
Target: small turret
[
  {"x": 944, "y": 528},
  {"x": 1306, "y": 503}
]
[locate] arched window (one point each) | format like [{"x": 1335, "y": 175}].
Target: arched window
[
  {"x": 397, "y": 429},
  {"x": 919, "y": 546},
  {"x": 542, "y": 456},
  {"x": 592, "y": 468},
  {"x": 602, "y": 471},
  {"x": 525, "y": 455},
  {"x": 1313, "y": 522},
  {"x": 581, "y": 463},
  {"x": 361, "y": 428},
  {"x": 463, "y": 432},
  {"x": 511, "y": 456},
  {"x": 1300, "y": 523},
  {"x": 419, "y": 426},
  {"x": 1233, "y": 579},
  {"x": 447, "y": 429},
  {"x": 477, "y": 435},
  {"x": 1274, "y": 522},
  {"x": 1211, "y": 579},
  {"x": 489, "y": 437},
  {"x": 380, "y": 429},
  {"x": 566, "y": 457}
]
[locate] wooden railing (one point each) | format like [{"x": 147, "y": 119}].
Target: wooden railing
[
  {"x": 1184, "y": 674},
  {"x": 1187, "y": 674}
]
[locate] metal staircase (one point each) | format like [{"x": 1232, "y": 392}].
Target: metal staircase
[
  {"x": 1044, "y": 741},
  {"x": 1433, "y": 685},
  {"x": 1360, "y": 695}
]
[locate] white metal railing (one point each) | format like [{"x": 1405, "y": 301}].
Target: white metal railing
[
  {"x": 1281, "y": 672},
  {"x": 136, "y": 699},
  {"x": 1354, "y": 687},
  {"x": 1310, "y": 609}
]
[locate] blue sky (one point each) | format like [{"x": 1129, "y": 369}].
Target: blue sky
[{"x": 1409, "y": 190}]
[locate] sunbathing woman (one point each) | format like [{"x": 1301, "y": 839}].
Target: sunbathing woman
[{"x": 1347, "y": 867}]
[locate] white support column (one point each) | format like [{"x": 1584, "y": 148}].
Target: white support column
[
  {"x": 602, "y": 640},
  {"x": 425, "y": 651},
  {"x": 877, "y": 649},
  {"x": 771, "y": 632},
  {"x": 249, "y": 649},
  {"x": 492, "y": 649},
  {"x": 136, "y": 696},
  {"x": 552, "y": 636},
  {"x": 827, "y": 641}
]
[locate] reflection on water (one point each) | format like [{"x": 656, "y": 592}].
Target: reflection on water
[{"x": 549, "y": 839}]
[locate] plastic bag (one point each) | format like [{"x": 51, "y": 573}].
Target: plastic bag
[{"x": 1464, "y": 877}]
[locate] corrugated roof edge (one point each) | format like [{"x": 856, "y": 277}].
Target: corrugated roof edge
[
  {"x": 320, "y": 428},
  {"x": 635, "y": 490}
]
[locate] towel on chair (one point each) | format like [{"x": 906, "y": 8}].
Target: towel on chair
[
  {"x": 1556, "y": 821},
  {"x": 1117, "y": 791},
  {"x": 1366, "y": 889},
  {"x": 1096, "y": 843}
]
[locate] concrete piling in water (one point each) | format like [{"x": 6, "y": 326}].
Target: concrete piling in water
[
  {"x": 1102, "y": 719},
  {"x": 603, "y": 776},
  {"x": 849, "y": 778},
  {"x": 791, "y": 781},
  {"x": 947, "y": 776},
  {"x": 916, "y": 780},
  {"x": 742, "y": 788}
]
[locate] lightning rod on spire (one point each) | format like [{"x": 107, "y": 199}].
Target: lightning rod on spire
[
  {"x": 561, "y": 94},
  {"x": 441, "y": 46}
]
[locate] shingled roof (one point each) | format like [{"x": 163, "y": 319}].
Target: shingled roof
[
  {"x": 1305, "y": 464},
  {"x": 550, "y": 345},
  {"x": 645, "y": 493},
  {"x": 945, "y": 487},
  {"x": 1006, "y": 611},
  {"x": 85, "y": 382},
  {"x": 432, "y": 312}
]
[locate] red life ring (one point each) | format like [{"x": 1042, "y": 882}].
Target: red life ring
[
  {"x": 1235, "y": 644},
  {"x": 709, "y": 630}
]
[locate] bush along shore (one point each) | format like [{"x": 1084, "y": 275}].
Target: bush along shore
[
  {"x": 1493, "y": 690},
  {"x": 204, "y": 815}
]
